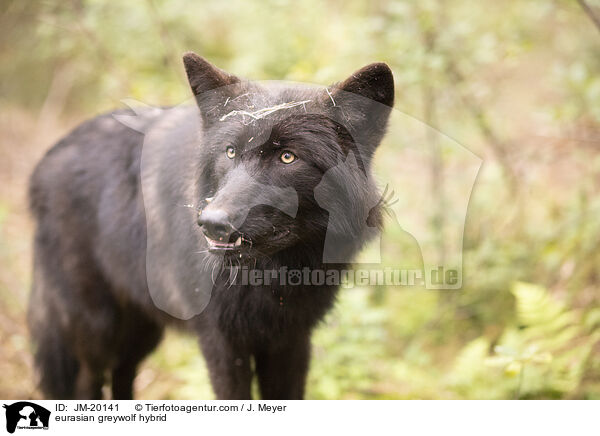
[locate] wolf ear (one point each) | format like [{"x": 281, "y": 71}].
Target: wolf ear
[
  {"x": 204, "y": 77},
  {"x": 366, "y": 99},
  {"x": 375, "y": 82}
]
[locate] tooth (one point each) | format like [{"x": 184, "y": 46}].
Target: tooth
[
  {"x": 209, "y": 199},
  {"x": 238, "y": 241}
]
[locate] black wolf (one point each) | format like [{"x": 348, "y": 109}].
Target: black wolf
[{"x": 131, "y": 219}]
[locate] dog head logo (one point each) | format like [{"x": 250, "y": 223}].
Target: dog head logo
[{"x": 26, "y": 415}]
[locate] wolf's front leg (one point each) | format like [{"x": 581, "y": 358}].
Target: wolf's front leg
[
  {"x": 282, "y": 370},
  {"x": 228, "y": 367}
]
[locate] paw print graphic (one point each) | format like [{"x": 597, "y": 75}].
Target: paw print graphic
[{"x": 294, "y": 277}]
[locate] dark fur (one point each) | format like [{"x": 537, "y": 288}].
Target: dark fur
[{"x": 90, "y": 311}]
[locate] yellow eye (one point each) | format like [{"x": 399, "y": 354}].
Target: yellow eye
[
  {"x": 287, "y": 157},
  {"x": 230, "y": 151}
]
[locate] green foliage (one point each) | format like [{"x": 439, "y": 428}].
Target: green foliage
[
  {"x": 545, "y": 355},
  {"x": 347, "y": 348}
]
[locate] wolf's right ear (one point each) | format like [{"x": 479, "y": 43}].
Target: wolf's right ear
[
  {"x": 205, "y": 77},
  {"x": 364, "y": 102}
]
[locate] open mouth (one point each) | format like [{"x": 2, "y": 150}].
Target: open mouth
[
  {"x": 237, "y": 241},
  {"x": 221, "y": 246}
]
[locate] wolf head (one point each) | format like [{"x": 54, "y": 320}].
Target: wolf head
[{"x": 266, "y": 147}]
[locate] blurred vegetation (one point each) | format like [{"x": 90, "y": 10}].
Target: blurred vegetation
[{"x": 517, "y": 82}]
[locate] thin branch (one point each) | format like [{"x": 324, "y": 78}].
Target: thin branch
[
  {"x": 590, "y": 13},
  {"x": 106, "y": 59},
  {"x": 168, "y": 43},
  {"x": 497, "y": 146}
]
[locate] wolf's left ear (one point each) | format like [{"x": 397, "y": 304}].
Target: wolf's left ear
[
  {"x": 365, "y": 100},
  {"x": 205, "y": 77}
]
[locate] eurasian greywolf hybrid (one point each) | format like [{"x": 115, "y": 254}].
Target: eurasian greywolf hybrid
[{"x": 161, "y": 221}]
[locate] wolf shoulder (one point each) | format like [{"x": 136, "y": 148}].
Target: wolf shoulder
[{"x": 100, "y": 149}]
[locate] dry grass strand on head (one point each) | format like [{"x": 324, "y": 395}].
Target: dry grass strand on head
[{"x": 262, "y": 113}]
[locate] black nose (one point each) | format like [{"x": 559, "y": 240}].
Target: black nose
[{"x": 215, "y": 224}]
